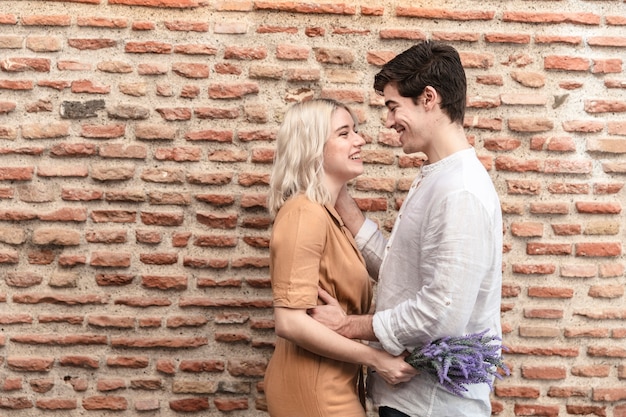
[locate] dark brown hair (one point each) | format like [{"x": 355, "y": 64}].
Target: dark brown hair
[{"x": 432, "y": 64}]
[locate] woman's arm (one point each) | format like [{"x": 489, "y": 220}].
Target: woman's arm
[{"x": 298, "y": 327}]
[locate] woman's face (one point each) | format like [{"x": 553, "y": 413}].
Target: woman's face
[{"x": 342, "y": 151}]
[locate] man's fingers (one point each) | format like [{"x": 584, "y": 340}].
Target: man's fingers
[{"x": 325, "y": 296}]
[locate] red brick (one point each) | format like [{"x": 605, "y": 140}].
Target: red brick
[
  {"x": 517, "y": 391},
  {"x": 544, "y": 373},
  {"x": 112, "y": 403},
  {"x": 536, "y": 410}
]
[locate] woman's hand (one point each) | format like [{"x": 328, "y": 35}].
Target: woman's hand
[{"x": 393, "y": 369}]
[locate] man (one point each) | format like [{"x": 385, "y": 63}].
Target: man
[{"x": 440, "y": 272}]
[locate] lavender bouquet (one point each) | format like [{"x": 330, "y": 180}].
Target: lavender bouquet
[{"x": 457, "y": 361}]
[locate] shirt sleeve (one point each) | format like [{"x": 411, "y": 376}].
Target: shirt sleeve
[
  {"x": 371, "y": 243},
  {"x": 296, "y": 248},
  {"x": 458, "y": 258}
]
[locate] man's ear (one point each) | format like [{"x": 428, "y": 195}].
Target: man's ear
[{"x": 430, "y": 96}]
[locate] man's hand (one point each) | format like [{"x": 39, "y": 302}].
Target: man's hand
[
  {"x": 393, "y": 369},
  {"x": 349, "y": 211},
  {"x": 329, "y": 314},
  {"x": 332, "y": 316}
]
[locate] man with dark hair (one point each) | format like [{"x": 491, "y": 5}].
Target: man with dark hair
[{"x": 440, "y": 272}]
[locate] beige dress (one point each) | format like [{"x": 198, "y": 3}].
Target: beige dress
[{"x": 310, "y": 247}]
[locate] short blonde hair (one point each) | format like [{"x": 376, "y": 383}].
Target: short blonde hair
[{"x": 299, "y": 155}]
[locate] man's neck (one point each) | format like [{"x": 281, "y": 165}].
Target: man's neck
[{"x": 449, "y": 139}]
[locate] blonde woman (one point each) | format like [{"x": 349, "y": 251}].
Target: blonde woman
[{"x": 314, "y": 372}]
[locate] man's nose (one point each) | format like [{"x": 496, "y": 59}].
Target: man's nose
[{"x": 389, "y": 120}]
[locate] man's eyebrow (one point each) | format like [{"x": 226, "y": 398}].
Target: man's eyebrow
[{"x": 388, "y": 102}]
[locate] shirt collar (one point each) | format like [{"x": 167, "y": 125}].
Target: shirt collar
[{"x": 428, "y": 169}]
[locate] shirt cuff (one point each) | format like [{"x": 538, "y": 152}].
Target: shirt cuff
[
  {"x": 365, "y": 233},
  {"x": 381, "y": 322}
]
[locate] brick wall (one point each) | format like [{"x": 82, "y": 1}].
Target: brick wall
[{"x": 136, "y": 139}]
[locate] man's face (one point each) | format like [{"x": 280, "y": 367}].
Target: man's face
[{"x": 408, "y": 119}]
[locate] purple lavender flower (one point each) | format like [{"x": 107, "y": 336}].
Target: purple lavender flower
[{"x": 461, "y": 360}]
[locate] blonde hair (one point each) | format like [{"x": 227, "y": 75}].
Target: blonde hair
[{"x": 298, "y": 159}]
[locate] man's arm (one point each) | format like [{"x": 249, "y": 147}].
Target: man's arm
[
  {"x": 349, "y": 211},
  {"x": 366, "y": 233},
  {"x": 332, "y": 316},
  {"x": 460, "y": 259}
]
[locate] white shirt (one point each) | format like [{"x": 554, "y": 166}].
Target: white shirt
[{"x": 439, "y": 274}]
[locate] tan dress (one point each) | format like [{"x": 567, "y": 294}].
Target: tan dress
[{"x": 311, "y": 247}]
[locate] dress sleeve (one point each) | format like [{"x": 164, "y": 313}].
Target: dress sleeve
[{"x": 296, "y": 247}]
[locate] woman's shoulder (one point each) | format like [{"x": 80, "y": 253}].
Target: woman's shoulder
[
  {"x": 301, "y": 204},
  {"x": 301, "y": 201}
]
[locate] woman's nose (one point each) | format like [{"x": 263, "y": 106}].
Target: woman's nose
[{"x": 359, "y": 140}]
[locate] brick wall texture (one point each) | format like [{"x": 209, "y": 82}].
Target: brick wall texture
[{"x": 136, "y": 141}]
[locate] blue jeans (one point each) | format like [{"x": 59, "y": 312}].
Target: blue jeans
[{"x": 390, "y": 412}]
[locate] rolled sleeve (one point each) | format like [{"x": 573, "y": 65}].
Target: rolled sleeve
[{"x": 381, "y": 323}]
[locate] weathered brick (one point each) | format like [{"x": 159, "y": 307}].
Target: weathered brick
[{"x": 146, "y": 137}]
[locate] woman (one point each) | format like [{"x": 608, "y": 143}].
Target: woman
[{"x": 314, "y": 372}]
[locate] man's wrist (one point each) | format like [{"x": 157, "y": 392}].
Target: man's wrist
[{"x": 358, "y": 327}]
